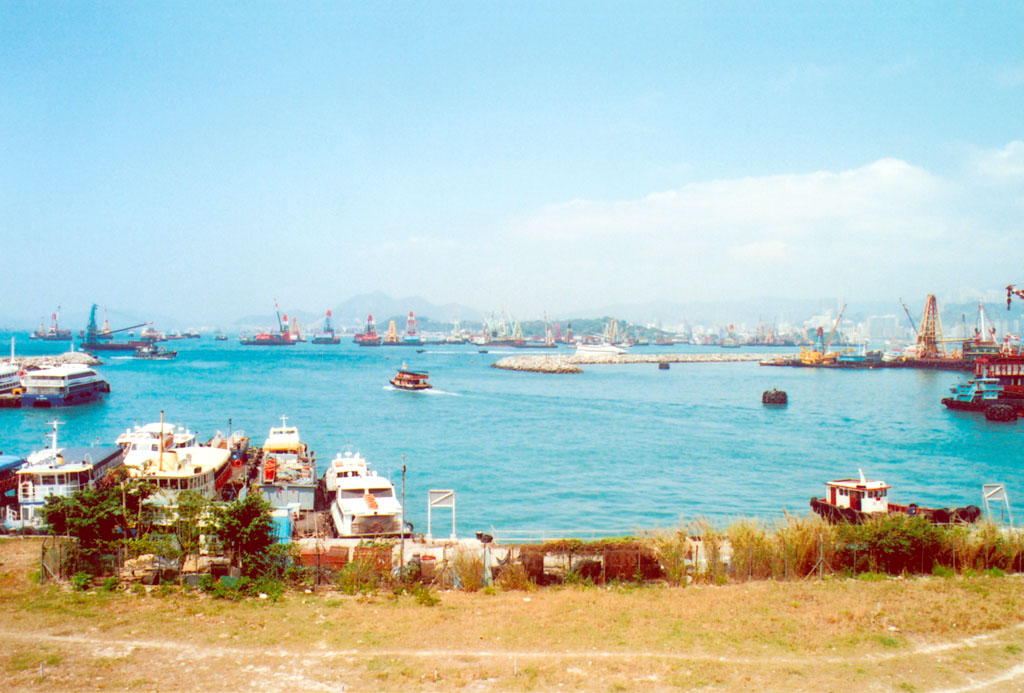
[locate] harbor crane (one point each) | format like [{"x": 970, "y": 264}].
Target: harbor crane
[{"x": 1012, "y": 291}]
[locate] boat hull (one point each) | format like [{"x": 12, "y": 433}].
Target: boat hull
[{"x": 835, "y": 514}]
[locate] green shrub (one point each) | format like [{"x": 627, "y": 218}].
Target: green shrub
[
  {"x": 81, "y": 581},
  {"x": 110, "y": 584},
  {"x": 358, "y": 577},
  {"x": 893, "y": 544}
]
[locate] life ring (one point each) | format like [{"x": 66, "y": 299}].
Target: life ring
[{"x": 377, "y": 527}]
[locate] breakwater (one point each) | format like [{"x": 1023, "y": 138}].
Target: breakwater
[
  {"x": 571, "y": 363},
  {"x": 76, "y": 357}
]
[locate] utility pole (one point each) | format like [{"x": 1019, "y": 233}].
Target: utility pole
[{"x": 401, "y": 560}]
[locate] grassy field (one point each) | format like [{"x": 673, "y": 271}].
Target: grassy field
[{"x": 921, "y": 634}]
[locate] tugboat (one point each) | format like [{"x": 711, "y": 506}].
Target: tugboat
[
  {"x": 410, "y": 380},
  {"x": 858, "y": 500},
  {"x": 152, "y": 352}
]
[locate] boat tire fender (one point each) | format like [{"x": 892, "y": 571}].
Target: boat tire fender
[
  {"x": 912, "y": 509},
  {"x": 376, "y": 528}
]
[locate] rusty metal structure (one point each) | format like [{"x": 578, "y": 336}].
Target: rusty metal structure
[{"x": 929, "y": 334}]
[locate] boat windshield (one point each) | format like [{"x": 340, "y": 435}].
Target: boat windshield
[{"x": 359, "y": 493}]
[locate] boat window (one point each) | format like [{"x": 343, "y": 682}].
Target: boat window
[
  {"x": 62, "y": 479},
  {"x": 351, "y": 493},
  {"x": 382, "y": 492},
  {"x": 46, "y": 480}
]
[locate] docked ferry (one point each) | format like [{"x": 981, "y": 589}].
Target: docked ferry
[
  {"x": 57, "y": 471},
  {"x": 61, "y": 386},
  {"x": 200, "y": 469},
  {"x": 143, "y": 442}
]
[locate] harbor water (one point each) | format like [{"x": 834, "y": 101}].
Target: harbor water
[{"x": 616, "y": 448}]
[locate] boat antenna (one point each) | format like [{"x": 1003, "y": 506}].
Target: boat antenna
[
  {"x": 862, "y": 479},
  {"x": 402, "y": 527}
]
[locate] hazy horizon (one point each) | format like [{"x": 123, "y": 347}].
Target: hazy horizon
[{"x": 199, "y": 161}]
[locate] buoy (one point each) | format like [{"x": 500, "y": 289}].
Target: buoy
[{"x": 774, "y": 396}]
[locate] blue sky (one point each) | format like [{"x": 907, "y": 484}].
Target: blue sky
[{"x": 201, "y": 159}]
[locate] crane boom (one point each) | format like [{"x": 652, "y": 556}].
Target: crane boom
[
  {"x": 833, "y": 332},
  {"x": 909, "y": 316}
]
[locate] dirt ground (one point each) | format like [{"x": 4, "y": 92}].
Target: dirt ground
[{"x": 927, "y": 634}]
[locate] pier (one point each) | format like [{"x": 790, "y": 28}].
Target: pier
[{"x": 571, "y": 363}]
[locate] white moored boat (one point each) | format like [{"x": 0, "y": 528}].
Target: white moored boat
[
  {"x": 140, "y": 443},
  {"x": 200, "y": 469},
  {"x": 57, "y": 471},
  {"x": 287, "y": 475},
  {"x": 603, "y": 349},
  {"x": 62, "y": 385},
  {"x": 364, "y": 504}
]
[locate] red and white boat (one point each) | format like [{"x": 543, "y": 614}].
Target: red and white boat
[
  {"x": 858, "y": 500},
  {"x": 411, "y": 380}
]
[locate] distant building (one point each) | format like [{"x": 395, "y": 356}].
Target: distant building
[{"x": 880, "y": 327}]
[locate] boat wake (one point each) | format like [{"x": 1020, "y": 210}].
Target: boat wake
[{"x": 431, "y": 391}]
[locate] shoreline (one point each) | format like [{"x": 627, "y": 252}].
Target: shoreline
[
  {"x": 570, "y": 363},
  {"x": 68, "y": 357}
]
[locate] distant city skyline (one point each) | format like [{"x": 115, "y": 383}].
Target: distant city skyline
[{"x": 200, "y": 161}]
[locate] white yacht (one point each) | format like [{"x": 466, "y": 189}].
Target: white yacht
[
  {"x": 57, "y": 471},
  {"x": 364, "y": 503},
  {"x": 344, "y": 465}
]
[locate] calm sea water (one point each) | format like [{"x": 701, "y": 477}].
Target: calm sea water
[{"x": 616, "y": 448}]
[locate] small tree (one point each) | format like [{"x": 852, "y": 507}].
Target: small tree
[
  {"x": 246, "y": 531},
  {"x": 100, "y": 518},
  {"x": 189, "y": 522}
]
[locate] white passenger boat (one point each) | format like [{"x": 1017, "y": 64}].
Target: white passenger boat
[
  {"x": 194, "y": 468},
  {"x": 57, "y": 471},
  {"x": 141, "y": 442},
  {"x": 62, "y": 385},
  {"x": 364, "y": 504},
  {"x": 603, "y": 349},
  {"x": 10, "y": 379},
  {"x": 287, "y": 474}
]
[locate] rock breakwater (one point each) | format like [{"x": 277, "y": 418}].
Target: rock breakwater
[
  {"x": 570, "y": 363},
  {"x": 31, "y": 363}
]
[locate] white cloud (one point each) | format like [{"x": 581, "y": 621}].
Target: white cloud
[
  {"x": 881, "y": 230},
  {"x": 1007, "y": 162}
]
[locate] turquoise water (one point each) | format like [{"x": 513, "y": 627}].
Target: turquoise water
[{"x": 616, "y": 448}]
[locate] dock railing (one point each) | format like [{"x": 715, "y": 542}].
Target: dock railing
[{"x": 538, "y": 536}]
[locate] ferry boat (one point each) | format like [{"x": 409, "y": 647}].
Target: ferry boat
[
  {"x": 410, "y": 380},
  {"x": 142, "y": 442},
  {"x": 977, "y": 394},
  {"x": 195, "y": 468},
  {"x": 63, "y": 385},
  {"x": 53, "y": 333},
  {"x": 57, "y": 471},
  {"x": 151, "y": 352},
  {"x": 10, "y": 379},
  {"x": 364, "y": 503},
  {"x": 857, "y": 500},
  {"x": 287, "y": 473},
  {"x": 368, "y": 337}
]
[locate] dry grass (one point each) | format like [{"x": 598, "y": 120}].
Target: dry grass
[{"x": 761, "y": 635}]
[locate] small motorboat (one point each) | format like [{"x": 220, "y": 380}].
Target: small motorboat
[
  {"x": 857, "y": 500},
  {"x": 410, "y": 380}
]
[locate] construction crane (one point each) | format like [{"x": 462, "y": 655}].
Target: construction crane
[
  {"x": 1012, "y": 291},
  {"x": 909, "y": 316},
  {"x": 92, "y": 333}
]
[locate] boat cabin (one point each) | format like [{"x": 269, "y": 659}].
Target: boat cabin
[{"x": 859, "y": 494}]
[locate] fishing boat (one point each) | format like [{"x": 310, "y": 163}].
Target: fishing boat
[
  {"x": 368, "y": 337},
  {"x": 61, "y": 386},
  {"x": 364, "y": 503},
  {"x": 287, "y": 472},
  {"x": 858, "y": 500},
  {"x": 57, "y": 471},
  {"x": 53, "y": 333},
  {"x": 152, "y": 352},
  {"x": 411, "y": 380}
]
